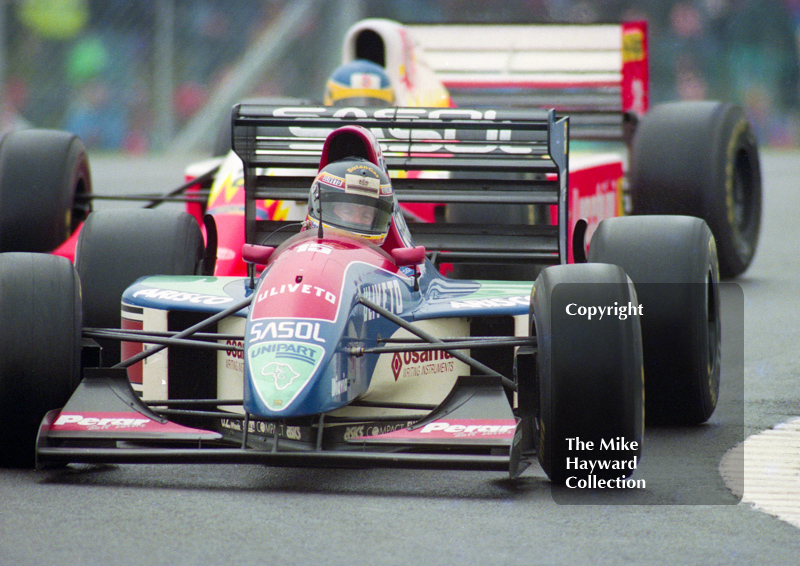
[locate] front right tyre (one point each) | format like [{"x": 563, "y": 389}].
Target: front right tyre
[
  {"x": 672, "y": 260},
  {"x": 40, "y": 347}
]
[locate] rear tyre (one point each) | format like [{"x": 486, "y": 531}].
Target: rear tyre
[
  {"x": 701, "y": 159},
  {"x": 40, "y": 347},
  {"x": 117, "y": 247},
  {"x": 590, "y": 383},
  {"x": 41, "y": 174},
  {"x": 672, "y": 261}
]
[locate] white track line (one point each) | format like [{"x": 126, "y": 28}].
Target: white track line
[{"x": 769, "y": 477}]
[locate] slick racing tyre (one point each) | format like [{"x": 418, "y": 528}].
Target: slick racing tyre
[
  {"x": 43, "y": 174},
  {"x": 590, "y": 383},
  {"x": 117, "y": 247},
  {"x": 672, "y": 261},
  {"x": 701, "y": 159},
  {"x": 40, "y": 347}
]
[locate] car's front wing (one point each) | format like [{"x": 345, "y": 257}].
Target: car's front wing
[{"x": 106, "y": 423}]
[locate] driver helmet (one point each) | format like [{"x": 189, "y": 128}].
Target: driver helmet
[
  {"x": 353, "y": 195},
  {"x": 359, "y": 83}
]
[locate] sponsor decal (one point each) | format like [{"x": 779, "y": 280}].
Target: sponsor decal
[
  {"x": 360, "y": 431},
  {"x": 633, "y": 46},
  {"x": 375, "y": 430},
  {"x": 352, "y": 432},
  {"x": 369, "y": 168},
  {"x": 520, "y": 300},
  {"x": 284, "y": 350},
  {"x": 81, "y": 422},
  {"x": 386, "y": 295},
  {"x": 598, "y": 206},
  {"x": 365, "y": 186},
  {"x": 451, "y": 429},
  {"x": 356, "y": 432},
  {"x": 341, "y": 386},
  {"x": 264, "y": 428},
  {"x": 417, "y": 364},
  {"x": 287, "y": 329},
  {"x": 313, "y": 290},
  {"x": 116, "y": 422},
  {"x": 596, "y": 192},
  {"x": 428, "y": 138},
  {"x": 331, "y": 180},
  {"x": 281, "y": 370},
  {"x": 182, "y": 297},
  {"x": 283, "y": 294},
  {"x": 234, "y": 359},
  {"x": 469, "y": 428}
]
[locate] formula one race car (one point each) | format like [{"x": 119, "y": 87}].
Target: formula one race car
[
  {"x": 344, "y": 345},
  {"x": 697, "y": 158},
  {"x": 689, "y": 158}
]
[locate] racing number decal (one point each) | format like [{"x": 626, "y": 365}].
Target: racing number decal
[{"x": 314, "y": 248}]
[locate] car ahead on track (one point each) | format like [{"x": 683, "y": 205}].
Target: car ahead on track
[
  {"x": 334, "y": 351},
  {"x": 688, "y": 158},
  {"x": 697, "y": 158}
]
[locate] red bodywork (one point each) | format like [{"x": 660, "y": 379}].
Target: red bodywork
[{"x": 595, "y": 193}]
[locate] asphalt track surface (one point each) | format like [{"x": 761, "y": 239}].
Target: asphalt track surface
[{"x": 220, "y": 514}]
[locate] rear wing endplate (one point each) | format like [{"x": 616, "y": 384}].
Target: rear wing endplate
[
  {"x": 434, "y": 155},
  {"x": 595, "y": 73}
]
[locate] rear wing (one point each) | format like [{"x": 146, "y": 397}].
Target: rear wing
[
  {"x": 595, "y": 73},
  {"x": 434, "y": 155}
]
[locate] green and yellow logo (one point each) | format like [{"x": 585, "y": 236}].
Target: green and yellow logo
[{"x": 281, "y": 370}]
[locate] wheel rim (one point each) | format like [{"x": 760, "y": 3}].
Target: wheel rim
[
  {"x": 712, "y": 321},
  {"x": 742, "y": 192}
]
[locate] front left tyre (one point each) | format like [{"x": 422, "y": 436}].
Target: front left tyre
[
  {"x": 588, "y": 386},
  {"x": 117, "y": 247}
]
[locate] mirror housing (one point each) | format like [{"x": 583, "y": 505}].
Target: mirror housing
[
  {"x": 407, "y": 257},
  {"x": 259, "y": 255}
]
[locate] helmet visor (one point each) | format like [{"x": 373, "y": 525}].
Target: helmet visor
[{"x": 358, "y": 213}]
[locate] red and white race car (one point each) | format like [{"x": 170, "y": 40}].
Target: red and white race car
[
  {"x": 692, "y": 158},
  {"x": 698, "y": 158}
]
